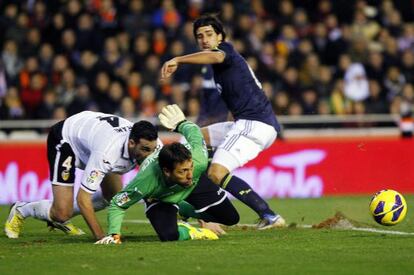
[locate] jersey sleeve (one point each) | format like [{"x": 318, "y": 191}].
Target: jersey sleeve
[
  {"x": 116, "y": 211},
  {"x": 194, "y": 137},
  {"x": 228, "y": 50},
  {"x": 94, "y": 173},
  {"x": 139, "y": 188}
]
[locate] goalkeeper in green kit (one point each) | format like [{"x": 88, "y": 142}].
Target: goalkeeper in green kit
[{"x": 171, "y": 180}]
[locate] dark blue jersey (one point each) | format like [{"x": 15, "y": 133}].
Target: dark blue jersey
[
  {"x": 240, "y": 89},
  {"x": 213, "y": 108}
]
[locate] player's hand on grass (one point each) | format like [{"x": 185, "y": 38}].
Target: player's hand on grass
[
  {"x": 168, "y": 68},
  {"x": 171, "y": 116},
  {"x": 215, "y": 227},
  {"x": 111, "y": 239}
]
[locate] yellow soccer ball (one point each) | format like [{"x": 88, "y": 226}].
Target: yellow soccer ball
[{"x": 388, "y": 207}]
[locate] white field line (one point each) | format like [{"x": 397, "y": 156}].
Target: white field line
[
  {"x": 363, "y": 229},
  {"x": 381, "y": 231}
]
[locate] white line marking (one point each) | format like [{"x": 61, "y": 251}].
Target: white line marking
[
  {"x": 382, "y": 231},
  {"x": 362, "y": 229}
]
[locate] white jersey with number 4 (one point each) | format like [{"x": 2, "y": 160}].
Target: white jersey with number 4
[{"x": 100, "y": 144}]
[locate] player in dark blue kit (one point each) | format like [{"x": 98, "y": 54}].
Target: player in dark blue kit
[
  {"x": 254, "y": 127},
  {"x": 213, "y": 108}
]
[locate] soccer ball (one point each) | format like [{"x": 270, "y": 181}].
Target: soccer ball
[{"x": 388, "y": 207}]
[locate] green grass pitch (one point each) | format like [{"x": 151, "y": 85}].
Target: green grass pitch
[{"x": 285, "y": 251}]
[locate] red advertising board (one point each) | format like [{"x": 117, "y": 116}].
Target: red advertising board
[
  {"x": 312, "y": 168},
  {"x": 296, "y": 168}
]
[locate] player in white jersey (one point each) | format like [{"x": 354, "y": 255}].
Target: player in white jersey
[{"x": 104, "y": 146}]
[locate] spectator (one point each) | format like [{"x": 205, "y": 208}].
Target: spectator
[
  {"x": 295, "y": 109},
  {"x": 31, "y": 43},
  {"x": 18, "y": 31},
  {"x": 407, "y": 99},
  {"x": 148, "y": 104},
  {"x": 82, "y": 101},
  {"x": 87, "y": 67},
  {"x": 141, "y": 51},
  {"x": 49, "y": 104},
  {"x": 394, "y": 82},
  {"x": 101, "y": 92},
  {"x": 376, "y": 102},
  {"x": 356, "y": 83},
  {"x": 116, "y": 93},
  {"x": 54, "y": 31},
  {"x": 339, "y": 103},
  {"x": 324, "y": 107},
  {"x": 46, "y": 54},
  {"x": 88, "y": 36},
  {"x": 309, "y": 102},
  {"x": 324, "y": 85},
  {"x": 407, "y": 65},
  {"x": 11, "y": 60},
  {"x": 66, "y": 90},
  {"x": 134, "y": 83},
  {"x": 293, "y": 45},
  {"x": 127, "y": 108},
  {"x": 136, "y": 20},
  {"x": 11, "y": 106},
  {"x": 281, "y": 103},
  {"x": 290, "y": 83},
  {"x": 375, "y": 67},
  {"x": 32, "y": 95}
]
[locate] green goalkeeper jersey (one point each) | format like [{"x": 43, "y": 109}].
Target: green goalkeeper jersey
[{"x": 150, "y": 183}]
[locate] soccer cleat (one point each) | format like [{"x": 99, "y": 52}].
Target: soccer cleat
[
  {"x": 270, "y": 221},
  {"x": 14, "y": 223},
  {"x": 199, "y": 233},
  {"x": 68, "y": 227}
]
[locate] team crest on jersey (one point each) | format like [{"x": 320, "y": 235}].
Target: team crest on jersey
[
  {"x": 92, "y": 176},
  {"x": 121, "y": 199},
  {"x": 65, "y": 175}
]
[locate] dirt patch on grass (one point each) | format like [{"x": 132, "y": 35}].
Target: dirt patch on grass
[{"x": 339, "y": 221}]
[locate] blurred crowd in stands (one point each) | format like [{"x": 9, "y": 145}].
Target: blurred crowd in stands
[{"x": 312, "y": 57}]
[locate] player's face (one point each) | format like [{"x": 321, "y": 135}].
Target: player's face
[
  {"x": 207, "y": 38},
  {"x": 142, "y": 149},
  {"x": 182, "y": 173}
]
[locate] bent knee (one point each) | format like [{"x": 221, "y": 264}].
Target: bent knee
[
  {"x": 60, "y": 214},
  {"x": 169, "y": 236},
  {"x": 214, "y": 178},
  {"x": 231, "y": 220},
  {"x": 216, "y": 173},
  {"x": 235, "y": 219}
]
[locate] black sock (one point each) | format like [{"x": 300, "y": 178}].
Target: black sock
[{"x": 242, "y": 191}]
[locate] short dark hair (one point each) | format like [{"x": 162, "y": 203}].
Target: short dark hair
[
  {"x": 209, "y": 20},
  {"x": 143, "y": 129},
  {"x": 171, "y": 154}
]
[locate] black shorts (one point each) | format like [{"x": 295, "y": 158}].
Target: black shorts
[
  {"x": 205, "y": 195},
  {"x": 61, "y": 157},
  {"x": 207, "y": 198}
]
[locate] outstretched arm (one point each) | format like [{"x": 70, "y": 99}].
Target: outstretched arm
[{"x": 204, "y": 57}]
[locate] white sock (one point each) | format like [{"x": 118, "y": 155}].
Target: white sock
[
  {"x": 98, "y": 201},
  {"x": 38, "y": 210}
]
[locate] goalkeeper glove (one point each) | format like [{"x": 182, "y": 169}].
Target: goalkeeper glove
[
  {"x": 111, "y": 239},
  {"x": 171, "y": 116}
]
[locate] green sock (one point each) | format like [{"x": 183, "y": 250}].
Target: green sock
[
  {"x": 187, "y": 210},
  {"x": 184, "y": 233}
]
